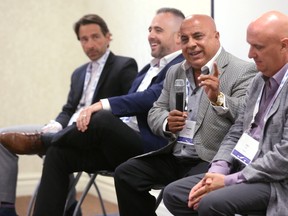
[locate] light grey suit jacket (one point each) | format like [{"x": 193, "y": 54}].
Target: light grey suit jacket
[
  {"x": 211, "y": 127},
  {"x": 271, "y": 164}
]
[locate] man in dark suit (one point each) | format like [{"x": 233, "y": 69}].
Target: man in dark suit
[
  {"x": 112, "y": 76},
  {"x": 100, "y": 140},
  {"x": 212, "y": 92}
]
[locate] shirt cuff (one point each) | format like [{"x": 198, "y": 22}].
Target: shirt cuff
[
  {"x": 105, "y": 104},
  {"x": 165, "y": 124},
  {"x": 52, "y": 127},
  {"x": 221, "y": 167},
  {"x": 234, "y": 178}
]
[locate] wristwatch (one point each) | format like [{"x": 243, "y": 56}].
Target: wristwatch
[{"x": 220, "y": 100}]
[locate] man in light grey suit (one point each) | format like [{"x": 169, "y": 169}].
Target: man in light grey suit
[
  {"x": 257, "y": 143},
  {"x": 214, "y": 93}
]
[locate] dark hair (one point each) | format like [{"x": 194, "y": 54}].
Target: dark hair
[
  {"x": 173, "y": 11},
  {"x": 91, "y": 19}
]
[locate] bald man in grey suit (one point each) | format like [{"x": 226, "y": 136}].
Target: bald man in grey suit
[{"x": 214, "y": 92}]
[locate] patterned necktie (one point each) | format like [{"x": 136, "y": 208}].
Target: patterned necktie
[{"x": 269, "y": 90}]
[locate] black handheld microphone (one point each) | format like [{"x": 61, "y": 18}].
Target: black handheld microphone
[{"x": 179, "y": 94}]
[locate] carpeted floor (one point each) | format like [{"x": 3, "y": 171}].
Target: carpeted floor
[{"x": 90, "y": 206}]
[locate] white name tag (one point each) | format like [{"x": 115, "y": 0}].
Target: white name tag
[
  {"x": 186, "y": 135},
  {"x": 245, "y": 149}
]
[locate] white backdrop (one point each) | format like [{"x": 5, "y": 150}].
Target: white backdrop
[{"x": 233, "y": 17}]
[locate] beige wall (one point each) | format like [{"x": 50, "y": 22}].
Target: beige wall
[{"x": 39, "y": 51}]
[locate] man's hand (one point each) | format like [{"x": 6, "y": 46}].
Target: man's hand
[
  {"x": 210, "y": 84},
  {"x": 176, "y": 121},
  {"x": 85, "y": 116},
  {"x": 210, "y": 182}
]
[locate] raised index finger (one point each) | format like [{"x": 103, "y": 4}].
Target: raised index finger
[{"x": 216, "y": 71}]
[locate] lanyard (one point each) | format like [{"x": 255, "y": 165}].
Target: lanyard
[
  {"x": 188, "y": 89},
  {"x": 256, "y": 109}
]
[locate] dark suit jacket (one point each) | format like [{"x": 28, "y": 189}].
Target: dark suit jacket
[
  {"x": 116, "y": 79},
  {"x": 139, "y": 104}
]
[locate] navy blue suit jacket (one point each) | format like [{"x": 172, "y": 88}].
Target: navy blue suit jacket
[
  {"x": 139, "y": 103},
  {"x": 116, "y": 79}
]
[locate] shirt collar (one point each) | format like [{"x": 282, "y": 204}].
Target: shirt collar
[
  {"x": 164, "y": 60},
  {"x": 279, "y": 75},
  {"x": 102, "y": 60}
]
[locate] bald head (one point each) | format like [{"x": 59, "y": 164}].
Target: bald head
[
  {"x": 272, "y": 23},
  {"x": 201, "y": 19},
  {"x": 268, "y": 39}
]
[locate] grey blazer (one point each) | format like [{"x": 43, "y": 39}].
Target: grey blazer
[
  {"x": 271, "y": 164},
  {"x": 211, "y": 126}
]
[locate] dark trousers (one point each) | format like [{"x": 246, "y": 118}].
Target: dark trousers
[
  {"x": 135, "y": 178},
  {"x": 243, "y": 198},
  {"x": 107, "y": 143}
]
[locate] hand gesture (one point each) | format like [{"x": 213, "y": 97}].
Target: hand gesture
[{"x": 210, "y": 84}]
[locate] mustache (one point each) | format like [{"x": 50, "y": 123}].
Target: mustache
[{"x": 92, "y": 51}]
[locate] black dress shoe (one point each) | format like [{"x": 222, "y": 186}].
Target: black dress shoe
[{"x": 23, "y": 143}]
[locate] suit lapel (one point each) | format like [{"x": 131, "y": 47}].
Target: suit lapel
[
  {"x": 139, "y": 78},
  {"x": 160, "y": 76},
  {"x": 104, "y": 74},
  {"x": 80, "y": 82},
  {"x": 273, "y": 109},
  {"x": 275, "y": 105},
  {"x": 222, "y": 62}
]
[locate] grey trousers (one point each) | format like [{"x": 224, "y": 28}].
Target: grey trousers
[
  {"x": 235, "y": 199},
  {"x": 9, "y": 166}
]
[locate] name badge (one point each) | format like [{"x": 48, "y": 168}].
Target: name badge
[
  {"x": 245, "y": 149},
  {"x": 186, "y": 135}
]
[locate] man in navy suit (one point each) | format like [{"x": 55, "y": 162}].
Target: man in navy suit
[
  {"x": 112, "y": 76},
  {"x": 100, "y": 139}
]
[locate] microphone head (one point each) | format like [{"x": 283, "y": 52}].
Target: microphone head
[
  {"x": 179, "y": 94},
  {"x": 179, "y": 85}
]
